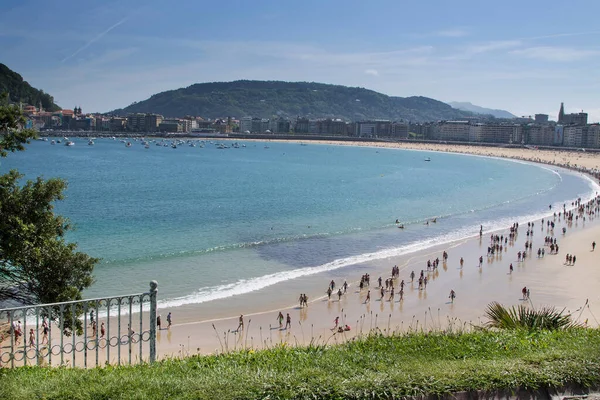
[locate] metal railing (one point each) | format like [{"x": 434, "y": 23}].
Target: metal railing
[{"x": 113, "y": 330}]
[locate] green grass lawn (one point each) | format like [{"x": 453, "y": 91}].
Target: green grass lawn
[{"x": 374, "y": 367}]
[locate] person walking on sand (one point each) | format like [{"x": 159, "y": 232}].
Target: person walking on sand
[
  {"x": 280, "y": 319},
  {"x": 524, "y": 292},
  {"x": 452, "y": 295},
  {"x": 412, "y": 276},
  {"x": 103, "y": 330},
  {"x": 510, "y": 268},
  {"x": 339, "y": 293},
  {"x": 241, "y": 324},
  {"x": 480, "y": 261},
  {"x": 44, "y": 332},
  {"x": 574, "y": 258},
  {"x": 288, "y": 321},
  {"x": 345, "y": 287},
  {"x": 382, "y": 293},
  {"x": 368, "y": 297},
  {"x": 158, "y": 322},
  {"x": 462, "y": 261},
  {"x": 329, "y": 291},
  {"x": 392, "y": 294},
  {"x": 169, "y": 320},
  {"x": 593, "y": 246},
  {"x": 336, "y": 321},
  {"x": 31, "y": 338}
]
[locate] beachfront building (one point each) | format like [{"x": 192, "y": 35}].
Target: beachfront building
[
  {"x": 279, "y": 125},
  {"x": 457, "y": 131},
  {"x": 331, "y": 126},
  {"x": 495, "y": 133},
  {"x": 540, "y": 135},
  {"x": 575, "y": 135},
  {"x": 171, "y": 125},
  {"x": 571, "y": 119},
  {"x": 142, "y": 122},
  {"x": 373, "y": 128},
  {"x": 400, "y": 130},
  {"x": 582, "y": 136},
  {"x": 593, "y": 136},
  {"x": 246, "y": 124},
  {"x": 118, "y": 124}
]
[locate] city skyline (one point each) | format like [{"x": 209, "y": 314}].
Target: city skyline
[{"x": 523, "y": 58}]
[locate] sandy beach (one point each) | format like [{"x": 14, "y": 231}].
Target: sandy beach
[
  {"x": 550, "y": 281},
  {"x": 213, "y": 327}
]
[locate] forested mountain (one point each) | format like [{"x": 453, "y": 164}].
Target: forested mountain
[
  {"x": 21, "y": 91},
  {"x": 290, "y": 99}
]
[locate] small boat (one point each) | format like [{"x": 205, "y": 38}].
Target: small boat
[
  {"x": 91, "y": 142},
  {"x": 266, "y": 147},
  {"x": 147, "y": 146},
  {"x": 174, "y": 146},
  {"x": 58, "y": 141},
  {"x": 53, "y": 142},
  {"x": 128, "y": 144},
  {"x": 427, "y": 159},
  {"x": 69, "y": 143}
]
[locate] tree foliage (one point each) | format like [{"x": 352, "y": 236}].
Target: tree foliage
[
  {"x": 266, "y": 99},
  {"x": 37, "y": 265},
  {"x": 21, "y": 91}
]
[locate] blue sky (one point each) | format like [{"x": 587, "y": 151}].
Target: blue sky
[{"x": 522, "y": 56}]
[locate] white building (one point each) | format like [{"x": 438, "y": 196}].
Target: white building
[
  {"x": 573, "y": 135},
  {"x": 495, "y": 133}
]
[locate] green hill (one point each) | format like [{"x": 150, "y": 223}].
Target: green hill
[
  {"x": 21, "y": 91},
  {"x": 290, "y": 99}
]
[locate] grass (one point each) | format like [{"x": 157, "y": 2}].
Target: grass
[{"x": 377, "y": 367}]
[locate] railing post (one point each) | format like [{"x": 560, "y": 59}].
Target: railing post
[{"x": 153, "y": 292}]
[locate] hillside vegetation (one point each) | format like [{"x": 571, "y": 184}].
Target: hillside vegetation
[
  {"x": 375, "y": 367},
  {"x": 21, "y": 91},
  {"x": 267, "y": 99}
]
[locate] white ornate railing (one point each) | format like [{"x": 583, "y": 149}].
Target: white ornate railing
[{"x": 113, "y": 330}]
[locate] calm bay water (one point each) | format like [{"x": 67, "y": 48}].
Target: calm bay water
[{"x": 212, "y": 223}]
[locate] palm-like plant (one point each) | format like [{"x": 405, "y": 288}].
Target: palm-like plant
[{"x": 522, "y": 317}]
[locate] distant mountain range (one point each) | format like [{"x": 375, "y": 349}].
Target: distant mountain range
[
  {"x": 21, "y": 91},
  {"x": 267, "y": 99},
  {"x": 466, "y": 106}
]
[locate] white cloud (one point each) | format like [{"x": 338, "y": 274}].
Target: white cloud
[
  {"x": 558, "y": 54},
  {"x": 371, "y": 72}
]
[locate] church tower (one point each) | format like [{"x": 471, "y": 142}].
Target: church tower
[{"x": 561, "y": 113}]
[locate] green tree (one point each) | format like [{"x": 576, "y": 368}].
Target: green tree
[{"x": 37, "y": 264}]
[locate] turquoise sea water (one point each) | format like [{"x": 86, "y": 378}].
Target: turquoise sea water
[{"x": 212, "y": 223}]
